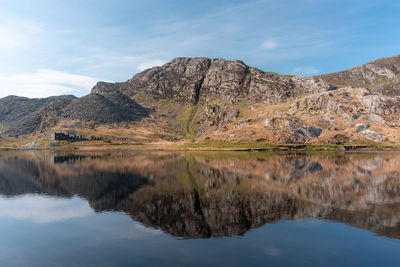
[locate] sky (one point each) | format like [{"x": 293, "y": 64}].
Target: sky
[{"x": 53, "y": 47}]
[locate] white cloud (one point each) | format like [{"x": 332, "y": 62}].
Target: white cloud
[
  {"x": 269, "y": 45},
  {"x": 304, "y": 70},
  {"x": 149, "y": 64},
  {"x": 43, "y": 83},
  {"x": 39, "y": 209}
]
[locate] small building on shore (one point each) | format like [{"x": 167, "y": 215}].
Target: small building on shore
[{"x": 63, "y": 136}]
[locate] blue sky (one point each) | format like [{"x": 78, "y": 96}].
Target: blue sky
[{"x": 64, "y": 47}]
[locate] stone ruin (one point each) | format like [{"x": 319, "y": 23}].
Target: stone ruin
[{"x": 66, "y": 137}]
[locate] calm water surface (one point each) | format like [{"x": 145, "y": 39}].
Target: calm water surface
[{"x": 199, "y": 209}]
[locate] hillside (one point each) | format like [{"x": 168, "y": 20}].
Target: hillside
[
  {"x": 380, "y": 76},
  {"x": 21, "y": 115},
  {"x": 104, "y": 108},
  {"x": 218, "y": 100}
]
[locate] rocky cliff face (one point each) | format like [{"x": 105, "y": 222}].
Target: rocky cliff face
[
  {"x": 223, "y": 100},
  {"x": 189, "y": 80}
]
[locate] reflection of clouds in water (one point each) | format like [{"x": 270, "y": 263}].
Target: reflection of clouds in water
[
  {"x": 39, "y": 209},
  {"x": 148, "y": 230},
  {"x": 271, "y": 251}
]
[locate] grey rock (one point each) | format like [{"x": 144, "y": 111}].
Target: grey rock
[
  {"x": 361, "y": 126},
  {"x": 217, "y": 116},
  {"x": 339, "y": 139},
  {"x": 376, "y": 118},
  {"x": 372, "y": 135},
  {"x": 53, "y": 144},
  {"x": 314, "y": 132},
  {"x": 307, "y": 132}
]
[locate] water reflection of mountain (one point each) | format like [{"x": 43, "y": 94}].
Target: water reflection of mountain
[{"x": 203, "y": 195}]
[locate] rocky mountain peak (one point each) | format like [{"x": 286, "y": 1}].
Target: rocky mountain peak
[{"x": 190, "y": 80}]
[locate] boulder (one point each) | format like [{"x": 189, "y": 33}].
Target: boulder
[
  {"x": 376, "y": 118},
  {"x": 371, "y": 135},
  {"x": 339, "y": 139},
  {"x": 307, "y": 132},
  {"x": 361, "y": 127}
]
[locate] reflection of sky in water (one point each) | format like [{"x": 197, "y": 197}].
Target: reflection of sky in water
[
  {"x": 43, "y": 231},
  {"x": 50, "y": 229},
  {"x": 40, "y": 209}
]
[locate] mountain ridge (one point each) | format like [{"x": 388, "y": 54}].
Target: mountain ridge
[{"x": 217, "y": 99}]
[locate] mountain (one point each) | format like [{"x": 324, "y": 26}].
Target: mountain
[
  {"x": 204, "y": 99},
  {"x": 193, "y": 80}
]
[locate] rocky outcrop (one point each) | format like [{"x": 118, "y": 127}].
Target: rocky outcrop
[
  {"x": 224, "y": 80},
  {"x": 351, "y": 103},
  {"x": 180, "y": 80},
  {"x": 333, "y": 102},
  {"x": 361, "y": 127},
  {"x": 372, "y": 135},
  {"x": 380, "y": 76},
  {"x": 293, "y": 130},
  {"x": 216, "y": 116},
  {"x": 188, "y": 80}
]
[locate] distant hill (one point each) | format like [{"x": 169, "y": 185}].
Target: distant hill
[
  {"x": 23, "y": 115},
  {"x": 108, "y": 107}
]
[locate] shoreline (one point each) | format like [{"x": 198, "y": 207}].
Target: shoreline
[{"x": 211, "y": 146}]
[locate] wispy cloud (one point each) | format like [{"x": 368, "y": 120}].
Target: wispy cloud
[
  {"x": 269, "y": 45},
  {"x": 44, "y": 83}
]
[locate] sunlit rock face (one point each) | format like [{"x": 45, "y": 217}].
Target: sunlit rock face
[
  {"x": 190, "y": 80},
  {"x": 201, "y": 195}
]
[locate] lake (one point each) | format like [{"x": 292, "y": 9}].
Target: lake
[{"x": 199, "y": 209}]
